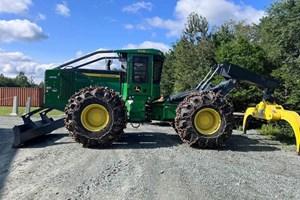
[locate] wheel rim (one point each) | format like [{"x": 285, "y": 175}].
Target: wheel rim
[
  {"x": 207, "y": 121},
  {"x": 94, "y": 117}
]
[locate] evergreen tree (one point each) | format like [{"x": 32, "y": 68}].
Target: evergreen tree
[
  {"x": 281, "y": 40},
  {"x": 237, "y": 43},
  {"x": 7, "y": 82},
  {"x": 21, "y": 80},
  {"x": 193, "y": 53},
  {"x": 168, "y": 76}
]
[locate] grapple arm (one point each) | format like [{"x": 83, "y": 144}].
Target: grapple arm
[{"x": 274, "y": 112}]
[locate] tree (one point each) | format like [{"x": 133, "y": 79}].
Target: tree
[
  {"x": 6, "y": 82},
  {"x": 279, "y": 31},
  {"x": 168, "y": 76},
  {"x": 196, "y": 28},
  {"x": 237, "y": 43},
  {"x": 21, "y": 80},
  {"x": 41, "y": 84},
  {"x": 193, "y": 54}
]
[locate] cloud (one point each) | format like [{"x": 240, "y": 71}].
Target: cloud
[
  {"x": 17, "y": 29},
  {"x": 62, "y": 9},
  {"x": 79, "y": 54},
  {"x": 41, "y": 17},
  {"x": 216, "y": 12},
  {"x": 11, "y": 63},
  {"x": 128, "y": 26},
  {"x": 141, "y": 26},
  {"x": 174, "y": 27},
  {"x": 148, "y": 44},
  {"x": 14, "y": 6},
  {"x": 135, "y": 7}
]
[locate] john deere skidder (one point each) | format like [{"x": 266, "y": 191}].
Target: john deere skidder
[{"x": 99, "y": 103}]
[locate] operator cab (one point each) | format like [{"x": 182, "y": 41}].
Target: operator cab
[{"x": 141, "y": 84}]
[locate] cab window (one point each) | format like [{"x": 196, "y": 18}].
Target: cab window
[
  {"x": 157, "y": 69},
  {"x": 140, "y": 69}
]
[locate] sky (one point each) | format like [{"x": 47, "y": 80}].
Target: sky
[{"x": 36, "y": 34}]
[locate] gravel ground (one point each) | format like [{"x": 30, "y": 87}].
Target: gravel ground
[{"x": 147, "y": 163}]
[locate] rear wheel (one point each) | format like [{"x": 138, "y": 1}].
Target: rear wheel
[
  {"x": 204, "y": 120},
  {"x": 95, "y": 117}
]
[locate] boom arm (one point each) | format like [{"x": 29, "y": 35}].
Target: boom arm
[{"x": 235, "y": 74}]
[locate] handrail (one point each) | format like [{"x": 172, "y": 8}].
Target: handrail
[
  {"x": 90, "y": 62},
  {"x": 84, "y": 57}
]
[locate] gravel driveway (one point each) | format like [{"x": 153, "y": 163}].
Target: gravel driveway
[{"x": 147, "y": 163}]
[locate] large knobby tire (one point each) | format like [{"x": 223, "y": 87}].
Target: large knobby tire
[
  {"x": 95, "y": 117},
  {"x": 204, "y": 120}
]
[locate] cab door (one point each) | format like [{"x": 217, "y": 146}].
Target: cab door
[
  {"x": 138, "y": 86},
  {"x": 140, "y": 79}
]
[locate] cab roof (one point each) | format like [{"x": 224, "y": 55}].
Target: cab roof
[{"x": 143, "y": 51}]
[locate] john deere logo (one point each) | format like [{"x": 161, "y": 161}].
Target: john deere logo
[{"x": 137, "y": 89}]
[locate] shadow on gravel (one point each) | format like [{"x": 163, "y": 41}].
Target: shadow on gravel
[
  {"x": 46, "y": 140},
  {"x": 243, "y": 143},
  {"x": 146, "y": 140},
  {"x": 7, "y": 154}
]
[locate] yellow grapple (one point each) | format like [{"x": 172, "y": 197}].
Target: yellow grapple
[{"x": 274, "y": 112}]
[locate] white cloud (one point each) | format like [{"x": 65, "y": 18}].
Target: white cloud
[
  {"x": 135, "y": 7},
  {"x": 41, "y": 17},
  {"x": 128, "y": 26},
  {"x": 148, "y": 44},
  {"x": 62, "y": 9},
  {"x": 79, "y": 54},
  {"x": 153, "y": 35},
  {"x": 174, "y": 27},
  {"x": 20, "y": 30},
  {"x": 142, "y": 26},
  {"x": 216, "y": 12},
  {"x": 14, "y": 6},
  {"x": 11, "y": 63}
]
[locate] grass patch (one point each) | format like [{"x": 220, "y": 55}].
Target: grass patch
[
  {"x": 7, "y": 110},
  {"x": 281, "y": 131}
]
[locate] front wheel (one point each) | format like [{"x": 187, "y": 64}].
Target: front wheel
[
  {"x": 204, "y": 120},
  {"x": 95, "y": 117}
]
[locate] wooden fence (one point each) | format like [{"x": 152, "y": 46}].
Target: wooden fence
[{"x": 7, "y": 95}]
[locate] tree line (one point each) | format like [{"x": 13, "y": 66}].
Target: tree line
[
  {"x": 269, "y": 48},
  {"x": 21, "y": 80}
]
